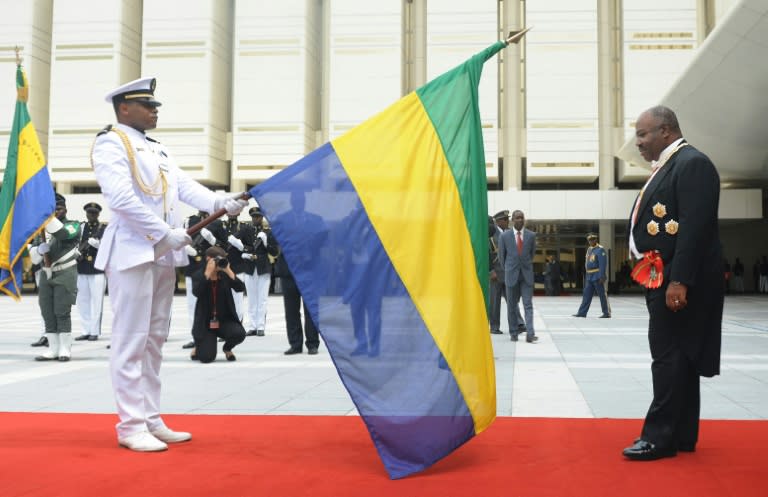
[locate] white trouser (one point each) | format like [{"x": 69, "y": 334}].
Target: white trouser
[
  {"x": 191, "y": 303},
  {"x": 90, "y": 301},
  {"x": 257, "y": 286},
  {"x": 141, "y": 299},
  {"x": 238, "y": 298}
]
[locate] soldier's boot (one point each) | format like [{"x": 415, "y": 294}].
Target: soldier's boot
[
  {"x": 65, "y": 346},
  {"x": 53, "y": 348}
]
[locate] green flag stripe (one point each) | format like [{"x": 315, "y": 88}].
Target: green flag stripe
[{"x": 451, "y": 101}]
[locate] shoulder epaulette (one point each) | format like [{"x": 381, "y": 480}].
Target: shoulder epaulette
[
  {"x": 106, "y": 129},
  {"x": 149, "y": 138}
]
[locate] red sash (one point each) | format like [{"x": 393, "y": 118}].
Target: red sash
[{"x": 649, "y": 271}]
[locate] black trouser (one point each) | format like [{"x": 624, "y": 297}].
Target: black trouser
[
  {"x": 292, "y": 303},
  {"x": 673, "y": 417},
  {"x": 232, "y": 332}
]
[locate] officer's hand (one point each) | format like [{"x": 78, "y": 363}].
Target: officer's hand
[
  {"x": 208, "y": 236},
  {"x": 601, "y": 281},
  {"x": 94, "y": 242},
  {"x": 493, "y": 276},
  {"x": 232, "y": 205},
  {"x": 263, "y": 237},
  {"x": 247, "y": 257},
  {"x": 235, "y": 242},
  {"x": 173, "y": 240},
  {"x": 43, "y": 248},
  {"x": 191, "y": 250}
]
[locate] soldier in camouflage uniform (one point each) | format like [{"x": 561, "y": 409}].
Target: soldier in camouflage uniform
[{"x": 58, "y": 281}]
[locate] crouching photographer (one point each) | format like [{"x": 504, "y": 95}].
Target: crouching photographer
[{"x": 215, "y": 313}]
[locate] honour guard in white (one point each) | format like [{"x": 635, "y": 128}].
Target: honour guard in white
[
  {"x": 91, "y": 282},
  {"x": 57, "y": 292},
  {"x": 140, "y": 249}
]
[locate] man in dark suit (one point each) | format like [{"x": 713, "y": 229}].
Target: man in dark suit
[
  {"x": 516, "y": 250},
  {"x": 674, "y": 223}
]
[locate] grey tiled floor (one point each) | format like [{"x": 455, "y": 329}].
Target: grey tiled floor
[{"x": 580, "y": 367}]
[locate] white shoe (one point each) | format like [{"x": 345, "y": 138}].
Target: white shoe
[
  {"x": 142, "y": 442},
  {"x": 171, "y": 437}
]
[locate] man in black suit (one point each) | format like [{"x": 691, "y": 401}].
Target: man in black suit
[
  {"x": 674, "y": 222},
  {"x": 517, "y": 248}
]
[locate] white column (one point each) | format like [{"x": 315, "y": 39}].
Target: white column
[{"x": 512, "y": 98}]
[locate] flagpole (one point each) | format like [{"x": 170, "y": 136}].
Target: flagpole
[
  {"x": 18, "y": 55},
  {"x": 192, "y": 230},
  {"x": 516, "y": 36}
]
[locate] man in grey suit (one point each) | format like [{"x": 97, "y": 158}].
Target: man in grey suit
[{"x": 516, "y": 250}]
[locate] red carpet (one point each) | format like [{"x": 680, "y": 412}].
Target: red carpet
[{"x": 67, "y": 455}]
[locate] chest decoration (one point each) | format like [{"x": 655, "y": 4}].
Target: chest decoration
[
  {"x": 659, "y": 210},
  {"x": 671, "y": 227},
  {"x": 653, "y": 228},
  {"x": 649, "y": 271}
]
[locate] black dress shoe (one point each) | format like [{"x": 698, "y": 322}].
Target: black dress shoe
[
  {"x": 251, "y": 333},
  {"x": 646, "y": 451},
  {"x": 230, "y": 356},
  {"x": 686, "y": 446},
  {"x": 514, "y": 337},
  {"x": 259, "y": 333},
  {"x": 312, "y": 351},
  {"x": 521, "y": 327},
  {"x": 292, "y": 351},
  {"x": 93, "y": 338},
  {"x": 578, "y": 315},
  {"x": 188, "y": 345},
  {"x": 497, "y": 332},
  {"x": 532, "y": 339},
  {"x": 82, "y": 337},
  {"x": 41, "y": 342},
  {"x": 604, "y": 316}
]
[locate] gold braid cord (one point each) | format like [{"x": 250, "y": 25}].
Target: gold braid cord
[{"x": 147, "y": 190}]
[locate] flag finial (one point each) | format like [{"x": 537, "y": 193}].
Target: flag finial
[
  {"x": 516, "y": 36},
  {"x": 19, "y": 59}
]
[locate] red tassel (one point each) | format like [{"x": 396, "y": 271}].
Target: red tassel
[{"x": 649, "y": 271}]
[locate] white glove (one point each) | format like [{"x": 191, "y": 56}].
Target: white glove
[
  {"x": 54, "y": 225},
  {"x": 247, "y": 257},
  {"x": 235, "y": 242},
  {"x": 43, "y": 248},
  {"x": 263, "y": 237},
  {"x": 94, "y": 242},
  {"x": 208, "y": 236},
  {"x": 174, "y": 240},
  {"x": 233, "y": 205},
  {"x": 34, "y": 255},
  {"x": 190, "y": 250}
]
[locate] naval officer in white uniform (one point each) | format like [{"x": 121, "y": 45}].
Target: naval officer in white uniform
[{"x": 139, "y": 251}]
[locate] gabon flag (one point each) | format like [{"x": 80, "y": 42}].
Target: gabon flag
[{"x": 385, "y": 232}]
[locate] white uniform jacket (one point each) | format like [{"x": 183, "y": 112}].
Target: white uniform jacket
[{"x": 139, "y": 220}]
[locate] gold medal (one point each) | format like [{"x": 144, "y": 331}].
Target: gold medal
[
  {"x": 652, "y": 228},
  {"x": 198, "y": 258},
  {"x": 89, "y": 258},
  {"x": 671, "y": 227},
  {"x": 659, "y": 210}
]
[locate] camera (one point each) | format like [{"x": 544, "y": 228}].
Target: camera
[{"x": 221, "y": 262}]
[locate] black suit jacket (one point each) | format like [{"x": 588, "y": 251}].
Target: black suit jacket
[
  {"x": 225, "y": 303},
  {"x": 678, "y": 217}
]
